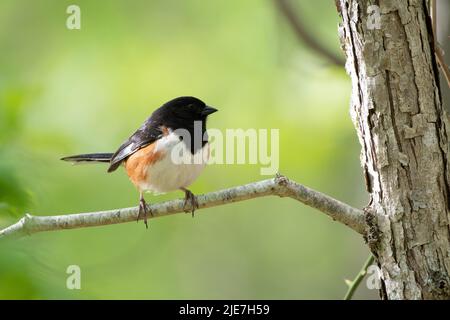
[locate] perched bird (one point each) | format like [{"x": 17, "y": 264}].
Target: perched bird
[{"x": 165, "y": 154}]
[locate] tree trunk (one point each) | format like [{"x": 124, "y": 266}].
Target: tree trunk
[{"x": 397, "y": 111}]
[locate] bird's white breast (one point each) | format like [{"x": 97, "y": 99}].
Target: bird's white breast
[{"x": 171, "y": 172}]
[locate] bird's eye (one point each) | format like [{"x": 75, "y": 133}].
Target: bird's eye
[{"x": 193, "y": 108}]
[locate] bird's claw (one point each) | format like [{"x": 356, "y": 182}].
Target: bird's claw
[
  {"x": 143, "y": 211},
  {"x": 190, "y": 202}
]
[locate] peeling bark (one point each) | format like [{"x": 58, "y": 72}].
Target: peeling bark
[{"x": 402, "y": 127}]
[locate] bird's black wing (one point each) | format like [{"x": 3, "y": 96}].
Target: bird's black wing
[{"x": 148, "y": 133}]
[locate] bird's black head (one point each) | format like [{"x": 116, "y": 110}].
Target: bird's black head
[{"x": 182, "y": 112}]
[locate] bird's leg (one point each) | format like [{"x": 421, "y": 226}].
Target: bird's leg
[
  {"x": 143, "y": 209},
  {"x": 189, "y": 197}
]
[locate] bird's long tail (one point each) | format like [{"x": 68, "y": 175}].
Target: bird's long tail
[{"x": 89, "y": 158}]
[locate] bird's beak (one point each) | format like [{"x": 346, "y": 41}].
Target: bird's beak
[{"x": 208, "y": 110}]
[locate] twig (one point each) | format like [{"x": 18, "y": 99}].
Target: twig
[
  {"x": 355, "y": 283},
  {"x": 443, "y": 65},
  {"x": 437, "y": 49},
  {"x": 279, "y": 186},
  {"x": 433, "y": 19},
  {"x": 304, "y": 36}
]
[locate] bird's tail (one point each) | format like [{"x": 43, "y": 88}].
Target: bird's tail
[{"x": 89, "y": 158}]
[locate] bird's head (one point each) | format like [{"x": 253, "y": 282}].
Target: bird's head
[{"x": 182, "y": 112}]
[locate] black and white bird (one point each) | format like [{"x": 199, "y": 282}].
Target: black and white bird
[{"x": 165, "y": 154}]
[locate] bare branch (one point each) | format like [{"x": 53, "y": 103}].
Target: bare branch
[
  {"x": 437, "y": 49},
  {"x": 443, "y": 65},
  {"x": 433, "y": 13},
  {"x": 279, "y": 186},
  {"x": 304, "y": 36}
]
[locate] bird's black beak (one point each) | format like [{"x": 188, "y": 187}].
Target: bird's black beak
[{"x": 208, "y": 110}]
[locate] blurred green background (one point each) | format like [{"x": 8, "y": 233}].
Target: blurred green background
[{"x": 64, "y": 92}]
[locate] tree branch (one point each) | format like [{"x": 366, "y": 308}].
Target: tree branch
[
  {"x": 279, "y": 186},
  {"x": 437, "y": 49},
  {"x": 303, "y": 35},
  {"x": 353, "y": 285},
  {"x": 443, "y": 65}
]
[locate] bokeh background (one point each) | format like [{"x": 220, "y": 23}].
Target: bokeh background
[{"x": 64, "y": 92}]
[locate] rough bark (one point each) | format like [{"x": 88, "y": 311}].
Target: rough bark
[{"x": 402, "y": 127}]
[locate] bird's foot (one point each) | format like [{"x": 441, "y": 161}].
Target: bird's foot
[
  {"x": 190, "y": 200},
  {"x": 143, "y": 211}
]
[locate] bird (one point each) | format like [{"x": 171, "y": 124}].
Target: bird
[{"x": 166, "y": 153}]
